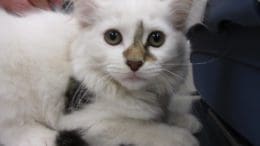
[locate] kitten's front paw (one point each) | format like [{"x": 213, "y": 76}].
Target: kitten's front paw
[
  {"x": 138, "y": 133},
  {"x": 163, "y": 136},
  {"x": 185, "y": 138},
  {"x": 176, "y": 137},
  {"x": 186, "y": 121}
]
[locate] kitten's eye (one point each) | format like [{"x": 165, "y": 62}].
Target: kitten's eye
[
  {"x": 156, "y": 39},
  {"x": 113, "y": 37}
]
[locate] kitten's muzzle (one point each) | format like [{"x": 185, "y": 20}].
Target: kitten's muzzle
[{"x": 134, "y": 65}]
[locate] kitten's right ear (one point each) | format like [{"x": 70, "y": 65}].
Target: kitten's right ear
[
  {"x": 185, "y": 13},
  {"x": 84, "y": 11},
  {"x": 180, "y": 10}
]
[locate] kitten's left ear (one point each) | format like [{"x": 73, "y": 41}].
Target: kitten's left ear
[
  {"x": 84, "y": 10},
  {"x": 180, "y": 10}
]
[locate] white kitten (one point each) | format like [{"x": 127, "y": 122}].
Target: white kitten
[
  {"x": 131, "y": 55},
  {"x": 128, "y": 53}
]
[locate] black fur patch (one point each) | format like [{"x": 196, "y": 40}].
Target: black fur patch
[
  {"x": 70, "y": 138},
  {"x": 77, "y": 95},
  {"x": 68, "y": 6}
]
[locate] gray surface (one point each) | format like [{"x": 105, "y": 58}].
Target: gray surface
[{"x": 215, "y": 133}]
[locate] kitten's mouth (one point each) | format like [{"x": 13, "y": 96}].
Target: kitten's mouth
[
  {"x": 134, "y": 78},
  {"x": 133, "y": 81}
]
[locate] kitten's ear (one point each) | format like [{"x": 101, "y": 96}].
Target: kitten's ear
[
  {"x": 180, "y": 10},
  {"x": 84, "y": 11}
]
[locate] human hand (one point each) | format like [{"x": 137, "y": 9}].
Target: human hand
[{"x": 21, "y": 6}]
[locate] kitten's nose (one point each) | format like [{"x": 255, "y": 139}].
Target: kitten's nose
[{"x": 134, "y": 65}]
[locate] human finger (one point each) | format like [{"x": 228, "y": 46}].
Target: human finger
[{"x": 43, "y": 4}]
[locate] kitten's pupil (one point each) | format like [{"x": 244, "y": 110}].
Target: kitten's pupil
[
  {"x": 113, "y": 37},
  {"x": 156, "y": 39}
]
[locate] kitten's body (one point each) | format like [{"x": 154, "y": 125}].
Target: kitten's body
[{"x": 40, "y": 52}]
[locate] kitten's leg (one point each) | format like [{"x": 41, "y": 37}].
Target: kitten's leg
[
  {"x": 34, "y": 134},
  {"x": 187, "y": 121},
  {"x": 26, "y": 134},
  {"x": 104, "y": 128},
  {"x": 180, "y": 113},
  {"x": 137, "y": 133},
  {"x": 129, "y": 132}
]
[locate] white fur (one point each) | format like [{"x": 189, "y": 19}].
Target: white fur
[
  {"x": 36, "y": 59},
  {"x": 34, "y": 66}
]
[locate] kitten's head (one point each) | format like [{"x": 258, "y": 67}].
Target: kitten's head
[{"x": 131, "y": 43}]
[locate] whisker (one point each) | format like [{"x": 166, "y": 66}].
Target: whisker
[
  {"x": 74, "y": 99},
  {"x": 152, "y": 69},
  {"x": 77, "y": 91},
  {"x": 112, "y": 67},
  {"x": 165, "y": 78},
  {"x": 81, "y": 98},
  {"x": 191, "y": 64},
  {"x": 174, "y": 74},
  {"x": 103, "y": 78},
  {"x": 83, "y": 92},
  {"x": 184, "y": 84},
  {"x": 118, "y": 72}
]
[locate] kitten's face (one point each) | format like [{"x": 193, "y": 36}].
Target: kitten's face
[{"x": 131, "y": 42}]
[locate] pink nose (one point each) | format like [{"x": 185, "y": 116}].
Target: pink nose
[{"x": 134, "y": 65}]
